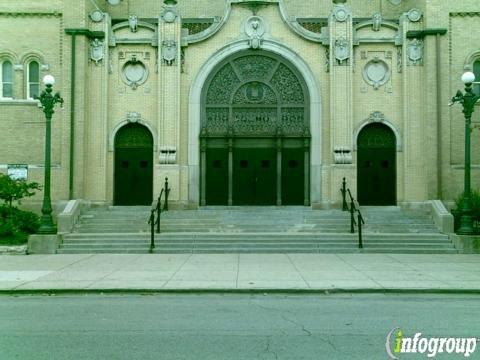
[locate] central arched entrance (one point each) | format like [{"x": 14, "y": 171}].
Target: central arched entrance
[
  {"x": 133, "y": 166},
  {"x": 255, "y": 133}
]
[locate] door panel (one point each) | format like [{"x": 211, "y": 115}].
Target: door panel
[
  {"x": 376, "y": 176},
  {"x": 254, "y": 177},
  {"x": 293, "y": 176},
  {"x": 217, "y": 177},
  {"x": 133, "y": 176}
]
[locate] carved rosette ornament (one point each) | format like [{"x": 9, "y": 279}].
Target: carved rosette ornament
[
  {"x": 414, "y": 15},
  {"x": 340, "y": 14}
]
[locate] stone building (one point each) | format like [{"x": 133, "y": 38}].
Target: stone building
[{"x": 240, "y": 102}]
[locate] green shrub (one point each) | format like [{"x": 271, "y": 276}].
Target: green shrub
[
  {"x": 8, "y": 229},
  {"x": 474, "y": 205},
  {"x": 15, "y": 224},
  {"x": 27, "y": 221}
]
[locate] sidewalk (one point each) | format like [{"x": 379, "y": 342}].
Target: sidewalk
[{"x": 238, "y": 272}]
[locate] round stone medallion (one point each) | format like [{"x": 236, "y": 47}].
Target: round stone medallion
[
  {"x": 135, "y": 73},
  {"x": 169, "y": 16},
  {"x": 376, "y": 73},
  {"x": 414, "y": 15}
]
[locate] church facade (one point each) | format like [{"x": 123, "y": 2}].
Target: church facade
[{"x": 241, "y": 102}]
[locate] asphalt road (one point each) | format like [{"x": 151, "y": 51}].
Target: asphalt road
[{"x": 230, "y": 326}]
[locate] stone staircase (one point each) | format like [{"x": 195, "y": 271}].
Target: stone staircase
[{"x": 254, "y": 230}]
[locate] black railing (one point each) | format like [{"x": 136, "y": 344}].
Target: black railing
[
  {"x": 157, "y": 210},
  {"x": 353, "y": 209}
]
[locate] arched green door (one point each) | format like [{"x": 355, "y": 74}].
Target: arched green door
[
  {"x": 133, "y": 166},
  {"x": 255, "y": 133},
  {"x": 376, "y": 165}
]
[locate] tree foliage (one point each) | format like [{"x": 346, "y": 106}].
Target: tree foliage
[{"x": 15, "y": 190}]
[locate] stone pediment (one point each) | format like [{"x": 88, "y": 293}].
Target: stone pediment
[{"x": 133, "y": 32}]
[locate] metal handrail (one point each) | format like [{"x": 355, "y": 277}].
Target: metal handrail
[
  {"x": 157, "y": 208},
  {"x": 354, "y": 209},
  {"x": 343, "y": 190}
]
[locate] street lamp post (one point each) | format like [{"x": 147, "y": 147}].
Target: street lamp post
[
  {"x": 468, "y": 101},
  {"x": 48, "y": 101}
]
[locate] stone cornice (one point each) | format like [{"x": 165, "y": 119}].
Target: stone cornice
[
  {"x": 465, "y": 14},
  {"x": 32, "y": 14}
]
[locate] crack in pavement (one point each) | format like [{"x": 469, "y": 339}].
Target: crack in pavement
[{"x": 267, "y": 348}]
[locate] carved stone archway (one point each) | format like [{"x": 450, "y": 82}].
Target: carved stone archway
[
  {"x": 195, "y": 110},
  {"x": 255, "y": 133}
]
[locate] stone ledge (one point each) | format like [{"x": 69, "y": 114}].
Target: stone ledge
[
  {"x": 466, "y": 244},
  {"x": 13, "y": 250},
  {"x": 43, "y": 244}
]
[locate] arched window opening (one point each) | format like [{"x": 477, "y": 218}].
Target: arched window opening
[
  {"x": 7, "y": 79},
  {"x": 33, "y": 80},
  {"x": 476, "y": 71}
]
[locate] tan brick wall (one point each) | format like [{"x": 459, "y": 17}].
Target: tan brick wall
[{"x": 408, "y": 100}]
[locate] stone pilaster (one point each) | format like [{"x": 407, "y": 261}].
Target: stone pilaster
[
  {"x": 341, "y": 90},
  {"x": 96, "y": 126},
  {"x": 169, "y": 69},
  {"x": 414, "y": 116}
]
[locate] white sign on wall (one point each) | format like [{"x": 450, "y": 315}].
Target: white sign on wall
[{"x": 17, "y": 171}]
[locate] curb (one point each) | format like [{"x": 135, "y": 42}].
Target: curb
[{"x": 263, "y": 291}]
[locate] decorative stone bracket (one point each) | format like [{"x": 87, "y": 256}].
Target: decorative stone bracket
[
  {"x": 168, "y": 155},
  {"x": 342, "y": 155}
]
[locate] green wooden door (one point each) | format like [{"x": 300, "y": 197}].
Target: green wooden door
[
  {"x": 133, "y": 166},
  {"x": 293, "y": 176},
  {"x": 376, "y": 166},
  {"x": 217, "y": 177},
  {"x": 254, "y": 177}
]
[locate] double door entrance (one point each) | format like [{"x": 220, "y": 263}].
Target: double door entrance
[{"x": 255, "y": 176}]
